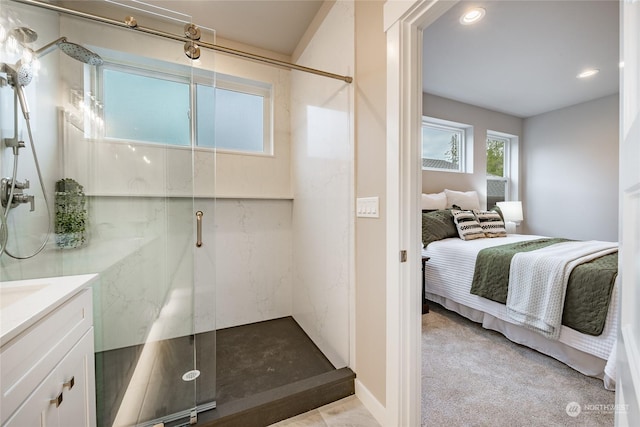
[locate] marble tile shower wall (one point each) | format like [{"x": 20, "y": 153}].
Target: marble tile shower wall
[
  {"x": 142, "y": 248},
  {"x": 253, "y": 260},
  {"x": 323, "y": 158},
  {"x": 149, "y": 292},
  {"x": 150, "y": 240}
]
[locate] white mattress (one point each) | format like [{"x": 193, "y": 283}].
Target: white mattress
[{"x": 449, "y": 274}]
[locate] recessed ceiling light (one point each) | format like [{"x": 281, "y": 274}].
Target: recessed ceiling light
[
  {"x": 472, "y": 16},
  {"x": 588, "y": 73}
]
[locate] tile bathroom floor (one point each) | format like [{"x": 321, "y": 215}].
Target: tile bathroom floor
[{"x": 345, "y": 412}]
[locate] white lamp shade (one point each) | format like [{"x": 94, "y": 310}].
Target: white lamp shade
[{"x": 511, "y": 211}]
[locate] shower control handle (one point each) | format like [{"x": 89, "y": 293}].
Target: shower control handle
[
  {"x": 22, "y": 185},
  {"x": 9, "y": 190},
  {"x": 199, "y": 215},
  {"x": 24, "y": 198}
]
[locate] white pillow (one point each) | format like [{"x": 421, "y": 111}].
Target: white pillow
[
  {"x": 434, "y": 201},
  {"x": 466, "y": 200}
]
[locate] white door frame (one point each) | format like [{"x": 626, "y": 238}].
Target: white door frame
[
  {"x": 403, "y": 23},
  {"x": 628, "y": 356}
]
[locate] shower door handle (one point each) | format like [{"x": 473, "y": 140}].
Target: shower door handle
[{"x": 199, "y": 215}]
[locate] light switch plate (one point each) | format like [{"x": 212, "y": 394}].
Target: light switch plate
[{"x": 367, "y": 207}]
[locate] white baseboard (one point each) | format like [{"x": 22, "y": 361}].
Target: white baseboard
[{"x": 372, "y": 404}]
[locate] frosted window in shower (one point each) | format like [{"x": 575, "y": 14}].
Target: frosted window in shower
[
  {"x": 232, "y": 119},
  {"x": 146, "y": 108}
]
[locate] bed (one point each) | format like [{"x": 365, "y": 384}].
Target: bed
[{"x": 449, "y": 276}]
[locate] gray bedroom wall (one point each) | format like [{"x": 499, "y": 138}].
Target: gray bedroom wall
[
  {"x": 482, "y": 120},
  {"x": 570, "y": 171}
]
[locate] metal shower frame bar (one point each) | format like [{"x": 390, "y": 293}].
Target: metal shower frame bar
[{"x": 229, "y": 51}]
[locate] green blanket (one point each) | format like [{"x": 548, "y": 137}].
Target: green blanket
[{"x": 588, "y": 291}]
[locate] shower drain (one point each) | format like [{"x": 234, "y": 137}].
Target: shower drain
[{"x": 191, "y": 375}]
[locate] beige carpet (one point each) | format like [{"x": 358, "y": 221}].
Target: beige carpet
[{"x": 475, "y": 377}]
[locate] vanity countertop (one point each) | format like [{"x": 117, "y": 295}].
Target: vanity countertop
[{"x": 24, "y": 302}]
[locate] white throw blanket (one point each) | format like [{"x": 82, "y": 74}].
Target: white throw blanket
[{"x": 538, "y": 282}]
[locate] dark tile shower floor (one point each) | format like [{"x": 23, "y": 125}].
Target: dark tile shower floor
[{"x": 262, "y": 372}]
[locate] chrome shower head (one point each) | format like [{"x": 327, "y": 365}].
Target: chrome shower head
[
  {"x": 21, "y": 74},
  {"x": 75, "y": 51},
  {"x": 80, "y": 53}
]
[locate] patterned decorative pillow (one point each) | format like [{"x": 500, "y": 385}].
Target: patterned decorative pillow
[
  {"x": 467, "y": 225},
  {"x": 437, "y": 225},
  {"x": 491, "y": 223}
]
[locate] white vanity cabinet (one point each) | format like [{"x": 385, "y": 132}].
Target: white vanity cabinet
[{"x": 47, "y": 370}]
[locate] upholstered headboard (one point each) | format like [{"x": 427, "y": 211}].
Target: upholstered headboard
[{"x": 457, "y": 214}]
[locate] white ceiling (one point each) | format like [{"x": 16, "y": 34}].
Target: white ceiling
[
  {"x": 276, "y": 25},
  {"x": 522, "y": 58}
]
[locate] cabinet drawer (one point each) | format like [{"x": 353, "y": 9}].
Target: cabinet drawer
[
  {"x": 32, "y": 355},
  {"x": 75, "y": 406}
]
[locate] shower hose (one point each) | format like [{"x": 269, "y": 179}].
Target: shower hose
[{"x": 4, "y": 225}]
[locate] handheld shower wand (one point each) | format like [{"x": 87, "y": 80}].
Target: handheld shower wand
[{"x": 18, "y": 78}]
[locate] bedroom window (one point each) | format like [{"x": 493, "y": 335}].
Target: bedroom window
[
  {"x": 444, "y": 145},
  {"x": 497, "y": 168}
]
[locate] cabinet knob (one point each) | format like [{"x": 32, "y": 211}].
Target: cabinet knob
[
  {"x": 70, "y": 383},
  {"x": 57, "y": 401}
]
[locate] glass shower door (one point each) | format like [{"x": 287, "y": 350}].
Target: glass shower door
[{"x": 128, "y": 132}]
